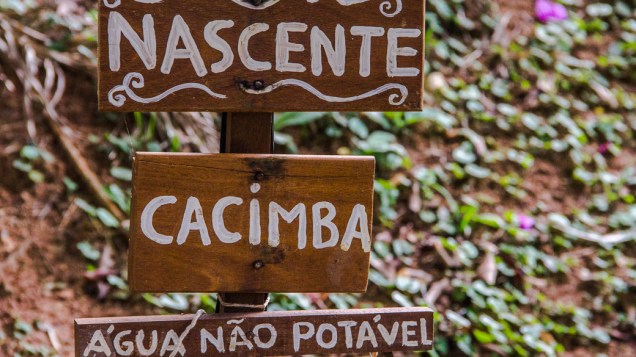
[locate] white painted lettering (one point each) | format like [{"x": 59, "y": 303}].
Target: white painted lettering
[
  {"x": 320, "y": 338},
  {"x": 424, "y": 333},
  {"x": 234, "y": 339},
  {"x": 275, "y": 210},
  {"x": 97, "y": 345},
  {"x": 216, "y": 42},
  {"x": 406, "y": 333},
  {"x": 297, "y": 335},
  {"x": 366, "y": 334},
  {"x": 367, "y": 33},
  {"x": 348, "y": 334},
  {"x": 284, "y": 47},
  {"x": 171, "y": 343},
  {"x": 146, "y": 49},
  {"x": 255, "y": 222},
  {"x": 125, "y": 348},
  {"x": 273, "y": 335},
  {"x": 358, "y": 218},
  {"x": 139, "y": 341},
  {"x": 255, "y": 217},
  {"x": 218, "y": 223},
  {"x": 393, "y": 51},
  {"x": 319, "y": 222},
  {"x": 147, "y": 227},
  {"x": 389, "y": 338},
  {"x": 193, "y": 207},
  {"x": 243, "y": 48},
  {"x": 181, "y": 32},
  {"x": 335, "y": 54},
  {"x": 216, "y": 341}
]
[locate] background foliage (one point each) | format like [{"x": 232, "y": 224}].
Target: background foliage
[{"x": 507, "y": 204}]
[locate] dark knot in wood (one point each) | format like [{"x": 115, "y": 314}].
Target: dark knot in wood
[
  {"x": 259, "y": 176},
  {"x": 258, "y": 264},
  {"x": 257, "y": 85}
]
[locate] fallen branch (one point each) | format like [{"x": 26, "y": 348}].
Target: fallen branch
[{"x": 74, "y": 155}]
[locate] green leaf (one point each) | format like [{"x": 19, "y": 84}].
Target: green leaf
[
  {"x": 107, "y": 218},
  {"x": 117, "y": 282},
  {"x": 491, "y": 220},
  {"x": 507, "y": 109},
  {"x": 86, "y": 207},
  {"x": 22, "y": 326},
  {"x": 464, "y": 154},
  {"x": 379, "y": 118},
  {"x": 30, "y": 152},
  {"x": 378, "y": 279},
  {"x": 288, "y": 119},
  {"x": 36, "y": 176},
  {"x": 358, "y": 127},
  {"x": 287, "y": 141},
  {"x": 401, "y": 299},
  {"x": 457, "y": 319},
  {"x": 173, "y": 301},
  {"x": 477, "y": 171},
  {"x": 559, "y": 220},
  {"x": 483, "y": 337},
  {"x": 531, "y": 121},
  {"x": 22, "y": 166},
  {"x": 71, "y": 185},
  {"x": 442, "y": 7},
  {"x": 121, "y": 173},
  {"x": 599, "y": 10},
  {"x": 88, "y": 251},
  {"x": 119, "y": 197}
]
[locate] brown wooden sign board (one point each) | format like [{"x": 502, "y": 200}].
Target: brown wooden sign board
[
  {"x": 250, "y": 223},
  {"x": 262, "y": 334},
  {"x": 280, "y": 55}
]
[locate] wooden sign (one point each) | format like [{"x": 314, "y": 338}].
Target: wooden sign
[
  {"x": 250, "y": 223},
  {"x": 262, "y": 334},
  {"x": 261, "y": 55}
]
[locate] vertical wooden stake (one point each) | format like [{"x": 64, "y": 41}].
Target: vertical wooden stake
[{"x": 245, "y": 133}]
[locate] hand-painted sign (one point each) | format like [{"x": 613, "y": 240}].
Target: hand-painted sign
[
  {"x": 250, "y": 223},
  {"x": 261, "y": 334},
  {"x": 261, "y": 55}
]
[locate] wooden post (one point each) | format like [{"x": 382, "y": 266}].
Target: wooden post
[{"x": 245, "y": 133}]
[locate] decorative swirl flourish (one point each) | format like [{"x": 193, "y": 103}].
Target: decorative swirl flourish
[
  {"x": 394, "y": 99},
  {"x": 112, "y": 3},
  {"x": 387, "y": 6},
  {"x": 136, "y": 80},
  {"x": 261, "y": 6}
]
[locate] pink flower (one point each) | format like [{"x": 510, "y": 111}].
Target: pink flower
[
  {"x": 525, "y": 222},
  {"x": 548, "y": 10},
  {"x": 604, "y": 148}
]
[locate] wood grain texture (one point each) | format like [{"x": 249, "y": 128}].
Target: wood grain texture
[
  {"x": 245, "y": 133},
  {"x": 369, "y": 330},
  {"x": 232, "y": 82},
  {"x": 241, "y": 266}
]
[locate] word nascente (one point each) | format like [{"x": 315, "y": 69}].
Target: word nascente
[{"x": 181, "y": 45}]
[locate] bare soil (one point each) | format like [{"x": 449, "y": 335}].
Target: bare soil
[{"x": 41, "y": 271}]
